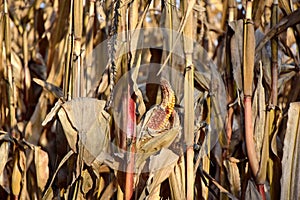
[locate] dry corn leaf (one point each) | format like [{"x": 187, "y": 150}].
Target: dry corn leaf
[
  {"x": 140, "y": 102},
  {"x": 4, "y": 150},
  {"x": 264, "y": 56},
  {"x": 18, "y": 170},
  {"x": 160, "y": 167},
  {"x": 220, "y": 187},
  {"x": 16, "y": 177},
  {"x": 290, "y": 181},
  {"x": 257, "y": 12},
  {"x": 252, "y": 192},
  {"x": 282, "y": 25},
  {"x": 69, "y": 131},
  {"x": 56, "y": 91},
  {"x": 5, "y": 178},
  {"x": 277, "y": 121},
  {"x": 286, "y": 6},
  {"x": 41, "y": 161},
  {"x": 53, "y": 112},
  {"x": 155, "y": 144},
  {"x": 259, "y": 114},
  {"x": 49, "y": 192},
  {"x": 203, "y": 79},
  {"x": 233, "y": 175},
  {"x": 236, "y": 50},
  {"x": 177, "y": 180},
  {"x": 109, "y": 190},
  {"x": 86, "y": 119},
  {"x": 87, "y": 181}
]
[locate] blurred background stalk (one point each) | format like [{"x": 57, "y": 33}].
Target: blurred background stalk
[{"x": 9, "y": 69}]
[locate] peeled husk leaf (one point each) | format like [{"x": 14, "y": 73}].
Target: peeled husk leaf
[{"x": 163, "y": 139}]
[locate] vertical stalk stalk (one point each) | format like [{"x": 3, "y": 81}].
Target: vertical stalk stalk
[
  {"x": 2, "y": 87},
  {"x": 89, "y": 44},
  {"x": 248, "y": 61},
  {"x": 206, "y": 158},
  {"x": 131, "y": 134},
  {"x": 77, "y": 28},
  {"x": 274, "y": 97},
  {"x": 68, "y": 66},
  {"x": 9, "y": 70},
  {"x": 274, "y": 51},
  {"x": 131, "y": 118},
  {"x": 229, "y": 77},
  {"x": 189, "y": 103}
]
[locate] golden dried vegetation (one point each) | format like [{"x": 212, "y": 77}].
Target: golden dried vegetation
[{"x": 79, "y": 81}]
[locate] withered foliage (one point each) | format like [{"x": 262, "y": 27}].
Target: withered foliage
[{"x": 218, "y": 81}]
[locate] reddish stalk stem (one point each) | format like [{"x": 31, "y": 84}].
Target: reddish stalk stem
[
  {"x": 249, "y": 136},
  {"x": 131, "y": 134},
  {"x": 254, "y": 164},
  {"x": 261, "y": 189}
]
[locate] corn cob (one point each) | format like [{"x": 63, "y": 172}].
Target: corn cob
[{"x": 161, "y": 115}]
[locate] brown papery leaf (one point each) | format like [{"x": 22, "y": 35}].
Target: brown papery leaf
[
  {"x": 259, "y": 113},
  {"x": 86, "y": 118},
  {"x": 160, "y": 166},
  {"x": 53, "y": 112},
  {"x": 56, "y": 91},
  {"x": 16, "y": 176},
  {"x": 236, "y": 50},
  {"x": 41, "y": 161}
]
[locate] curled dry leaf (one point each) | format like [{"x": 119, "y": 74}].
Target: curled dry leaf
[
  {"x": 103, "y": 82},
  {"x": 53, "y": 112},
  {"x": 56, "y": 91}
]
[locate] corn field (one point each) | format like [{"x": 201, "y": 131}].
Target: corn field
[{"x": 152, "y": 99}]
